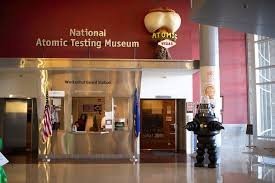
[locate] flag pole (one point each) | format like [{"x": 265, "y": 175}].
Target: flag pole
[
  {"x": 47, "y": 141},
  {"x": 136, "y": 120},
  {"x": 47, "y": 97}
]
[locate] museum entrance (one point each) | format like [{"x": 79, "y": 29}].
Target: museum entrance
[
  {"x": 158, "y": 124},
  {"x": 162, "y": 130}
]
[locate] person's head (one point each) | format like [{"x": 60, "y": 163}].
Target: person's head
[{"x": 83, "y": 117}]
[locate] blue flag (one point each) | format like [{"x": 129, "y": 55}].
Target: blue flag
[{"x": 136, "y": 113}]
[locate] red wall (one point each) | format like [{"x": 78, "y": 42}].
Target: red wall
[
  {"x": 232, "y": 75},
  {"x": 22, "y": 23}
]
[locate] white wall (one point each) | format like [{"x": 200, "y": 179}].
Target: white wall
[{"x": 175, "y": 83}]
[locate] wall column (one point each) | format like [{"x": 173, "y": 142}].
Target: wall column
[
  {"x": 209, "y": 68},
  {"x": 209, "y": 65}
]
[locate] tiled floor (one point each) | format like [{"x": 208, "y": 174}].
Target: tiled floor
[
  {"x": 161, "y": 157},
  {"x": 236, "y": 167}
]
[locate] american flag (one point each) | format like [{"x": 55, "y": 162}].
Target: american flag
[{"x": 47, "y": 124}]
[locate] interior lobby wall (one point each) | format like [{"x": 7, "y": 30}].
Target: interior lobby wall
[
  {"x": 23, "y": 24},
  {"x": 233, "y": 77}
]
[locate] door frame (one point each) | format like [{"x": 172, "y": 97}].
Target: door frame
[{"x": 175, "y": 121}]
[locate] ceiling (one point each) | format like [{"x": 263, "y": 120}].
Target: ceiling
[{"x": 251, "y": 16}]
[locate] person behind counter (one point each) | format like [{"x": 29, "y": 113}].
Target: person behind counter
[
  {"x": 81, "y": 122},
  {"x": 92, "y": 123}
]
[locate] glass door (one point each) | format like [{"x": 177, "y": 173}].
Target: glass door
[
  {"x": 264, "y": 72},
  {"x": 158, "y": 124}
]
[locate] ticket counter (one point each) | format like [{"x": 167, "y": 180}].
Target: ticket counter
[
  {"x": 96, "y": 114},
  {"x": 107, "y": 144}
]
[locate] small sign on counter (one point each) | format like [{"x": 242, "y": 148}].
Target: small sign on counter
[{"x": 108, "y": 120}]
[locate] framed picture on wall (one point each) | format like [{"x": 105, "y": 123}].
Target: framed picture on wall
[{"x": 189, "y": 107}]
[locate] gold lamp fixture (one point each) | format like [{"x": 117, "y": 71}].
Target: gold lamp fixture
[{"x": 162, "y": 23}]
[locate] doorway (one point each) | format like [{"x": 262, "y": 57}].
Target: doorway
[
  {"x": 158, "y": 127},
  {"x": 19, "y": 129}
]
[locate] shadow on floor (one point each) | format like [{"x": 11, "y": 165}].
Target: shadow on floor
[
  {"x": 161, "y": 156},
  {"x": 21, "y": 157}
]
